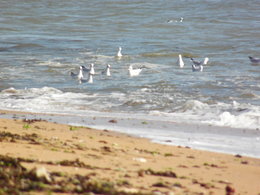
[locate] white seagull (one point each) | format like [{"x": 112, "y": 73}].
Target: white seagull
[
  {"x": 89, "y": 80},
  {"x": 107, "y": 70},
  {"x": 119, "y": 54},
  {"x": 254, "y": 60},
  {"x": 92, "y": 70},
  {"x": 134, "y": 72},
  {"x": 80, "y": 75},
  {"x": 180, "y": 61}
]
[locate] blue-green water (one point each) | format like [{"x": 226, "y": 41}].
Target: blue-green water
[{"x": 41, "y": 42}]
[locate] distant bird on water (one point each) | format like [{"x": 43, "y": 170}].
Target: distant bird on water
[
  {"x": 119, "y": 53},
  {"x": 88, "y": 80},
  {"x": 134, "y": 72},
  {"x": 197, "y": 63},
  {"x": 197, "y": 66},
  {"x": 254, "y": 60},
  {"x": 74, "y": 75},
  {"x": 92, "y": 70},
  {"x": 80, "y": 75},
  {"x": 180, "y": 61},
  {"x": 180, "y": 20},
  {"x": 107, "y": 70}
]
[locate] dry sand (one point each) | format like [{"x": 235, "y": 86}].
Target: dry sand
[{"x": 80, "y": 160}]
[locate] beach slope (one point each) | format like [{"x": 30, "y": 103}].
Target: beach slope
[{"x": 41, "y": 157}]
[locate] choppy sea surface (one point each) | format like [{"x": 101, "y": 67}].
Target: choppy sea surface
[{"x": 41, "y": 42}]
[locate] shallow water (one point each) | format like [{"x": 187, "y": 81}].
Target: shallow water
[{"x": 42, "y": 41}]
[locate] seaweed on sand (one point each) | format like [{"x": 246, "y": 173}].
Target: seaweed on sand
[
  {"x": 16, "y": 179},
  {"x": 7, "y": 136}
]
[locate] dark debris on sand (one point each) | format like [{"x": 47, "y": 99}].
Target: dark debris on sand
[
  {"x": 16, "y": 179},
  {"x": 13, "y": 137},
  {"x": 30, "y": 121}
]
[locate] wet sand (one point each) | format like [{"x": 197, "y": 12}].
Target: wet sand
[
  {"x": 79, "y": 159},
  {"x": 221, "y": 139}
]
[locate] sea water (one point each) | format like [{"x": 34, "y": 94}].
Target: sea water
[{"x": 41, "y": 42}]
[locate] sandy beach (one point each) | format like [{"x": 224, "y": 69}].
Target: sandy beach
[
  {"x": 74, "y": 119},
  {"x": 39, "y": 157}
]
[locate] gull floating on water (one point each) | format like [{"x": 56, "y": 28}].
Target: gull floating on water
[
  {"x": 92, "y": 70},
  {"x": 180, "y": 61},
  {"x": 80, "y": 75},
  {"x": 89, "y": 80},
  {"x": 107, "y": 70},
  {"x": 198, "y": 68},
  {"x": 254, "y": 60},
  {"x": 134, "y": 72},
  {"x": 119, "y": 54},
  {"x": 180, "y": 20},
  {"x": 197, "y": 63}
]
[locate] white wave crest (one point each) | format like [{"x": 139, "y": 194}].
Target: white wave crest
[
  {"x": 245, "y": 120},
  {"x": 220, "y": 114}
]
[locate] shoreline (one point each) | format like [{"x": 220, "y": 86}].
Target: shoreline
[
  {"x": 108, "y": 162},
  {"x": 227, "y": 140}
]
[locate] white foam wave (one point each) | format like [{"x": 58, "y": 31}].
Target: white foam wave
[
  {"x": 220, "y": 114},
  {"x": 245, "y": 120},
  {"x": 52, "y": 100},
  {"x": 36, "y": 99}
]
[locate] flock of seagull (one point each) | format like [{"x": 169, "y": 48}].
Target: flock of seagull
[
  {"x": 197, "y": 66},
  {"x": 91, "y": 71}
]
